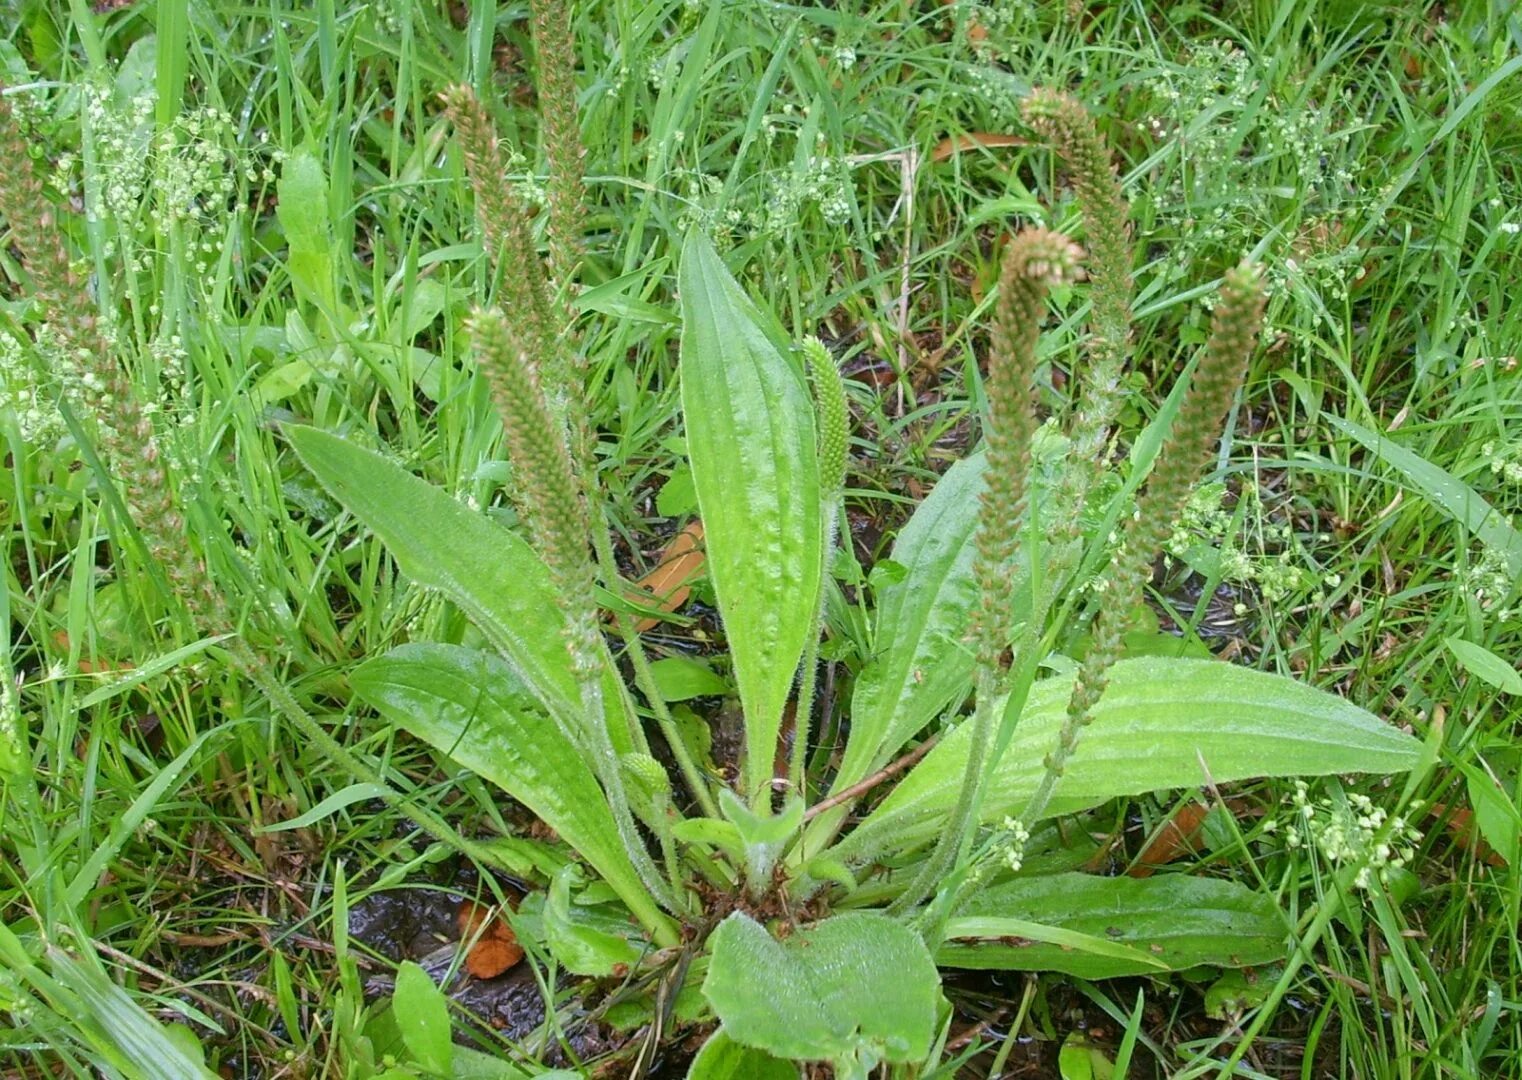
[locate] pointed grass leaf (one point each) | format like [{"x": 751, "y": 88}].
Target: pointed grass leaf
[
  {"x": 331, "y": 805},
  {"x": 1485, "y": 665},
  {"x": 1450, "y": 494},
  {"x": 121, "y": 1032},
  {"x": 724, "y": 1059},
  {"x": 469, "y": 705},
  {"x": 1171, "y": 922},
  {"x": 492, "y": 574},
  {"x": 750, "y": 435},
  {"x": 422, "y": 1016},
  {"x": 858, "y": 985},
  {"x": 1163, "y": 723}
]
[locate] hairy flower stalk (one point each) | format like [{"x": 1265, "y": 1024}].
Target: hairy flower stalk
[
  {"x": 542, "y": 332},
  {"x": 125, "y": 434},
  {"x": 551, "y": 502},
  {"x": 1067, "y": 127},
  {"x": 1035, "y": 262},
  {"x": 1184, "y": 456},
  {"x": 834, "y": 430},
  {"x": 524, "y": 292},
  {"x": 555, "y": 55}
]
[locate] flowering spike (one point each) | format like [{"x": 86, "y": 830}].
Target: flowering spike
[
  {"x": 545, "y": 487},
  {"x": 1184, "y": 455},
  {"x": 554, "y": 47},
  {"x": 504, "y": 226},
  {"x": 1035, "y": 261},
  {"x": 834, "y": 417}
]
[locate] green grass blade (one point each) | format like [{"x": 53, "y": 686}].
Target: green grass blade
[{"x": 1450, "y": 494}]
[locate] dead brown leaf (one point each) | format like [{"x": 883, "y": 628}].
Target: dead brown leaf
[
  {"x": 493, "y": 946},
  {"x": 953, "y": 145},
  {"x": 670, "y": 583},
  {"x": 1178, "y": 837}
]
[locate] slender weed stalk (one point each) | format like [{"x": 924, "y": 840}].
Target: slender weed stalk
[
  {"x": 834, "y": 428},
  {"x": 524, "y": 294},
  {"x": 542, "y": 333},
  {"x": 1184, "y": 456},
  {"x": 1035, "y": 262},
  {"x": 555, "y": 57},
  {"x": 130, "y": 446},
  {"x": 1069, "y": 130},
  {"x": 559, "y": 522}
]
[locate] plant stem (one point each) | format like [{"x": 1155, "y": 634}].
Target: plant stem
[{"x": 1034, "y": 261}]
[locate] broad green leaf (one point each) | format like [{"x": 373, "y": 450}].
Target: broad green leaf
[
  {"x": 1450, "y": 494},
  {"x": 475, "y": 1065},
  {"x": 303, "y": 213},
  {"x": 724, "y": 1059},
  {"x": 1234, "y": 993},
  {"x": 712, "y": 833},
  {"x": 1162, "y": 723},
  {"x": 750, "y": 434},
  {"x": 1006, "y": 928},
  {"x": 1172, "y": 921},
  {"x": 580, "y": 946},
  {"x": 1495, "y": 815},
  {"x": 922, "y": 663},
  {"x": 1078, "y": 1060},
  {"x": 422, "y": 1016},
  {"x": 489, "y": 572},
  {"x": 469, "y": 705},
  {"x": 1485, "y": 665},
  {"x": 679, "y": 678},
  {"x": 855, "y": 986}
]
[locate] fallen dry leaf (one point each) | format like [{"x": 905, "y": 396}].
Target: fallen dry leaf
[
  {"x": 1178, "y": 837},
  {"x": 493, "y": 946},
  {"x": 953, "y": 145},
  {"x": 669, "y": 584},
  {"x": 1181, "y": 835},
  {"x": 1460, "y": 823},
  {"x": 87, "y": 665}
]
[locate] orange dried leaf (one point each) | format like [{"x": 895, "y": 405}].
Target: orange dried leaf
[
  {"x": 670, "y": 583},
  {"x": 493, "y": 948},
  {"x": 953, "y": 145},
  {"x": 1460, "y": 823},
  {"x": 1176, "y": 838}
]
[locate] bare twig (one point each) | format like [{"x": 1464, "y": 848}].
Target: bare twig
[{"x": 861, "y": 787}]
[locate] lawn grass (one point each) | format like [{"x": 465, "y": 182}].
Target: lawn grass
[{"x": 1365, "y": 153}]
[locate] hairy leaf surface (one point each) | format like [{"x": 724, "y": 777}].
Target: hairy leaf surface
[
  {"x": 750, "y": 434},
  {"x": 490, "y": 572},
  {"x": 1163, "y": 723},
  {"x": 922, "y": 663},
  {"x": 1172, "y": 921},
  {"x": 858, "y": 986},
  {"x": 469, "y": 705},
  {"x": 724, "y": 1059}
]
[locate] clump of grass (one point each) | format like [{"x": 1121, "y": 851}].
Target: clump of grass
[{"x": 131, "y": 448}]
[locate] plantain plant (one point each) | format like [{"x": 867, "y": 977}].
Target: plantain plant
[
  {"x": 814, "y": 906},
  {"x": 810, "y": 905}
]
